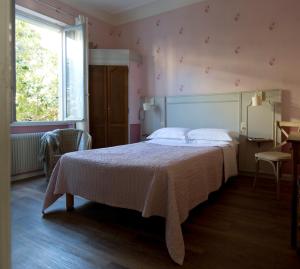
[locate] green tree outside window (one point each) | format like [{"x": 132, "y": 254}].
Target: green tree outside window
[{"x": 37, "y": 76}]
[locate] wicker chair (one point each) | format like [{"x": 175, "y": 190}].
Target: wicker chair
[{"x": 58, "y": 142}]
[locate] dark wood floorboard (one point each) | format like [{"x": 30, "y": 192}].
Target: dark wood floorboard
[{"x": 236, "y": 228}]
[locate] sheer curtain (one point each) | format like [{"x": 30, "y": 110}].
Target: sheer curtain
[
  {"x": 82, "y": 21},
  {"x": 75, "y": 64}
]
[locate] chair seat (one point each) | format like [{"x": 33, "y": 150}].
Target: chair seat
[{"x": 274, "y": 156}]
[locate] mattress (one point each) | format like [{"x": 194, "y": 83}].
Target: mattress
[{"x": 152, "y": 178}]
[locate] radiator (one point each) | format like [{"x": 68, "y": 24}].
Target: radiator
[{"x": 25, "y": 150}]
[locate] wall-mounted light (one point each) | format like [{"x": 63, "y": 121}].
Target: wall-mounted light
[
  {"x": 258, "y": 98},
  {"x": 149, "y": 104}
]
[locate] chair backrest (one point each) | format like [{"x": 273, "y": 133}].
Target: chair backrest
[
  {"x": 279, "y": 126},
  {"x": 69, "y": 140}
]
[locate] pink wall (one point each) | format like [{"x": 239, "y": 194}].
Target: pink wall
[
  {"x": 220, "y": 46},
  {"x": 135, "y": 133},
  {"x": 136, "y": 84}
]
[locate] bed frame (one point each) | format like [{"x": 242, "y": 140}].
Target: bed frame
[{"x": 69, "y": 202}]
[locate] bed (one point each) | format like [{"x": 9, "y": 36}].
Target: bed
[{"x": 160, "y": 177}]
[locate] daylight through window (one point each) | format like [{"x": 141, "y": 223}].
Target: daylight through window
[{"x": 38, "y": 71}]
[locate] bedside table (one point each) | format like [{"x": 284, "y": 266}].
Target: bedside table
[{"x": 259, "y": 140}]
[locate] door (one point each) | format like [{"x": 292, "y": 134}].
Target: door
[
  {"x": 108, "y": 105},
  {"x": 98, "y": 105},
  {"x": 117, "y": 101}
]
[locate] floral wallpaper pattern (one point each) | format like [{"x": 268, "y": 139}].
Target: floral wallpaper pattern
[{"x": 220, "y": 46}]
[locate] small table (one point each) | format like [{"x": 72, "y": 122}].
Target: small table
[
  {"x": 259, "y": 140},
  {"x": 294, "y": 139}
]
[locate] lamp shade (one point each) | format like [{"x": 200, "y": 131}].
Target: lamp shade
[
  {"x": 147, "y": 106},
  {"x": 256, "y": 100}
]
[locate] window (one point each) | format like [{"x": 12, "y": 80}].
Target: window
[{"x": 49, "y": 70}]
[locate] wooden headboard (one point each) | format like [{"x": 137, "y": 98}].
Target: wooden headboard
[{"x": 204, "y": 111}]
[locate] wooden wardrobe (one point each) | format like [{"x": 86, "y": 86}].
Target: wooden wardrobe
[{"x": 108, "y": 105}]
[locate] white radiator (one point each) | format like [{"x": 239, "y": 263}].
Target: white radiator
[{"x": 25, "y": 150}]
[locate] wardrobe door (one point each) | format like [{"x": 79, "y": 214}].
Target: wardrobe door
[
  {"x": 98, "y": 105},
  {"x": 117, "y": 101}
]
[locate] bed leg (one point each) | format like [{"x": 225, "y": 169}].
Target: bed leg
[{"x": 69, "y": 202}]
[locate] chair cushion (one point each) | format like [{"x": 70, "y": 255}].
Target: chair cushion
[{"x": 273, "y": 156}]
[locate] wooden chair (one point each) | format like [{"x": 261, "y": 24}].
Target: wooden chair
[{"x": 276, "y": 157}]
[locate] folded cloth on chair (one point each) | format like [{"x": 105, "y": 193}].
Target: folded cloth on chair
[{"x": 49, "y": 138}]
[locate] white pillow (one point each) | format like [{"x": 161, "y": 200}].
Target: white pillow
[
  {"x": 210, "y": 134},
  {"x": 170, "y": 133},
  {"x": 169, "y": 142}
]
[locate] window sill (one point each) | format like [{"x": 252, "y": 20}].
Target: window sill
[
  {"x": 36, "y": 127},
  {"x": 41, "y": 123}
]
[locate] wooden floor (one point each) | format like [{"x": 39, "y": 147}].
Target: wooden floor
[{"x": 237, "y": 228}]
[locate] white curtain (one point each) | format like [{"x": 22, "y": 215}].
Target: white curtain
[
  {"x": 82, "y": 20},
  {"x": 76, "y": 71}
]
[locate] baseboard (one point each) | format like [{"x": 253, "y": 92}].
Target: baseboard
[{"x": 27, "y": 175}]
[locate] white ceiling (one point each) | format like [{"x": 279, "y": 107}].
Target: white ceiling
[{"x": 122, "y": 11}]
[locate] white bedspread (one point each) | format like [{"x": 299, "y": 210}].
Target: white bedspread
[{"x": 154, "y": 179}]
